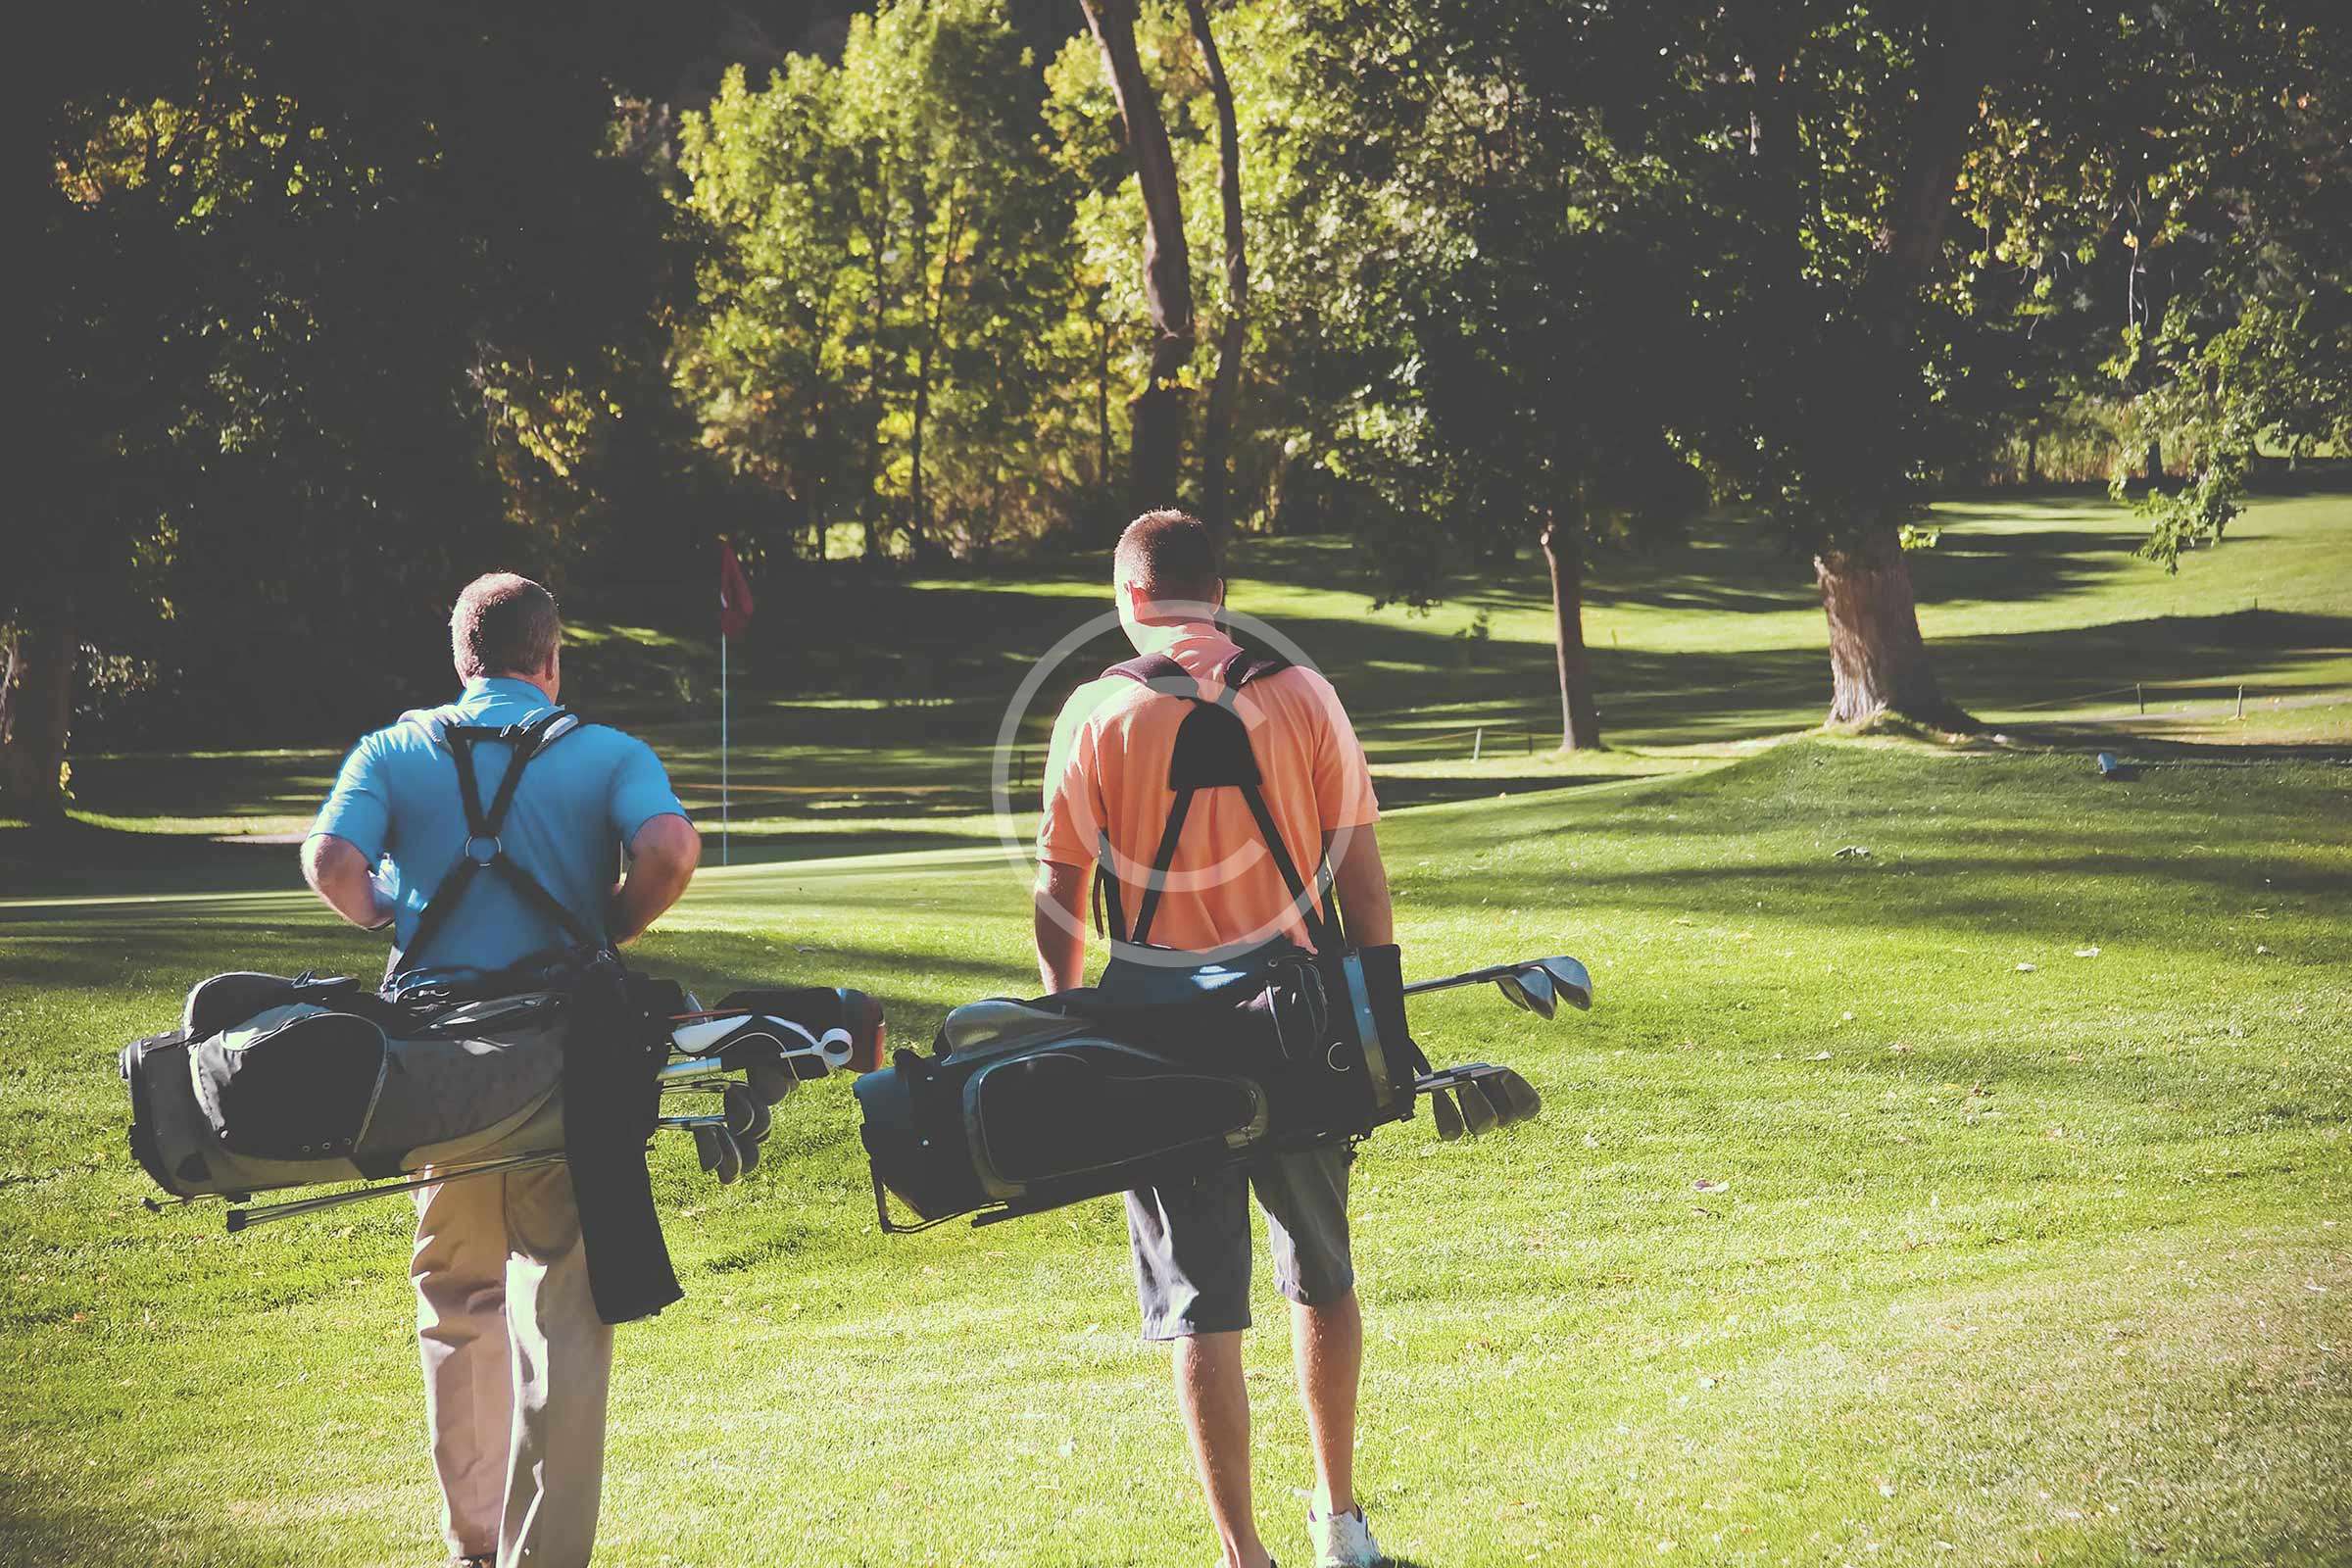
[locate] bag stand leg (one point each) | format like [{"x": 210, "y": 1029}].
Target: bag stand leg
[{"x": 241, "y": 1219}]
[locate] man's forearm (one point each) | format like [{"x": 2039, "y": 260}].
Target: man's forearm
[
  {"x": 338, "y": 873},
  {"x": 1362, "y": 883},
  {"x": 661, "y": 861},
  {"x": 1060, "y": 926},
  {"x": 645, "y": 894}
]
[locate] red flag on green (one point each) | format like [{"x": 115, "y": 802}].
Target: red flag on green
[{"x": 734, "y": 593}]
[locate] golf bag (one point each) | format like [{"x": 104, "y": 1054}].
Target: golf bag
[
  {"x": 271, "y": 1083},
  {"x": 1176, "y": 1063},
  {"x": 1029, "y": 1105}
]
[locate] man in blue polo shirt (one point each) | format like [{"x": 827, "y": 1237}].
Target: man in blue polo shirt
[{"x": 516, "y": 1361}]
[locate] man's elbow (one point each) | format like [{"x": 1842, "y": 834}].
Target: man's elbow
[
  {"x": 326, "y": 861},
  {"x": 667, "y": 844}
]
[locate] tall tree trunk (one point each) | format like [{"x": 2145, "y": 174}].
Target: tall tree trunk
[
  {"x": 1877, "y": 660},
  {"x": 875, "y": 536},
  {"x": 918, "y": 502},
  {"x": 36, "y": 713},
  {"x": 2033, "y": 458},
  {"x": 1224, "y": 392},
  {"x": 1156, "y": 450},
  {"x": 1102, "y": 395},
  {"x": 1563, "y": 540}
]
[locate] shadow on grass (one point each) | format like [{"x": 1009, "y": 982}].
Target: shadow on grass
[{"x": 1399, "y": 792}]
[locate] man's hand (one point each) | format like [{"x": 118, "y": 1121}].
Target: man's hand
[
  {"x": 338, "y": 872},
  {"x": 1361, "y": 881},
  {"x": 1060, "y": 925},
  {"x": 661, "y": 861}
]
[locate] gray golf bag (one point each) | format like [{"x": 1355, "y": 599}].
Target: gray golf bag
[{"x": 271, "y": 1083}]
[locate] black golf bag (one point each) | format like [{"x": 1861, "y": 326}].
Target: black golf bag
[
  {"x": 1176, "y": 1063},
  {"x": 1029, "y": 1105}
]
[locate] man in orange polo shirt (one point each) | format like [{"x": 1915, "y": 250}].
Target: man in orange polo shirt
[{"x": 1107, "y": 798}]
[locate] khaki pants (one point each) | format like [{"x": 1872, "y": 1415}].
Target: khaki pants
[{"x": 517, "y": 1365}]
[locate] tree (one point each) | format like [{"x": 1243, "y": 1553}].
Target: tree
[
  {"x": 1811, "y": 159},
  {"x": 1158, "y": 408},
  {"x": 1522, "y": 360},
  {"x": 890, "y": 294},
  {"x": 1224, "y": 391},
  {"x": 2257, "y": 346},
  {"x": 1846, "y": 303},
  {"x": 2186, "y": 171},
  {"x": 306, "y": 342}
]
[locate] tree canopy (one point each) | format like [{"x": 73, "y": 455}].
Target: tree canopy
[{"x": 334, "y": 304}]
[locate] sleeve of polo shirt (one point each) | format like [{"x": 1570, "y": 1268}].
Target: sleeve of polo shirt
[
  {"x": 1067, "y": 834},
  {"x": 640, "y": 791},
  {"x": 359, "y": 809},
  {"x": 1344, "y": 796}
]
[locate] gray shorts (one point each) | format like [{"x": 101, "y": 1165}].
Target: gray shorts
[{"x": 1192, "y": 1241}]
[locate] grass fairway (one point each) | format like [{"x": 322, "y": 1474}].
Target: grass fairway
[
  {"x": 1983, "y": 1199},
  {"x": 866, "y": 713}
]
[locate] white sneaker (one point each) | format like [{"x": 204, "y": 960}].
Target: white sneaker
[{"x": 1343, "y": 1540}]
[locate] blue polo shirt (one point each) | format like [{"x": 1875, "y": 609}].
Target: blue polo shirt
[{"x": 577, "y": 806}]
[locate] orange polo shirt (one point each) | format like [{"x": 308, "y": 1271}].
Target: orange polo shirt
[{"x": 1109, "y": 770}]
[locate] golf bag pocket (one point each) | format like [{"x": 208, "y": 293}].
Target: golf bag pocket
[
  {"x": 1043, "y": 1111},
  {"x": 343, "y": 1088},
  {"x": 296, "y": 1081},
  {"x": 1099, "y": 1116}
]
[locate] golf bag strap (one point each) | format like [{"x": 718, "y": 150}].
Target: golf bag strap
[
  {"x": 1107, "y": 891},
  {"x": 1211, "y": 751},
  {"x": 527, "y": 740}
]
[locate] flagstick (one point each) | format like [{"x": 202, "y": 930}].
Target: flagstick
[{"x": 723, "y": 823}]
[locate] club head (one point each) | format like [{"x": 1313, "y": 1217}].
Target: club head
[
  {"x": 718, "y": 1152},
  {"x": 756, "y": 1133},
  {"x": 1570, "y": 982},
  {"x": 741, "y": 1108},
  {"x": 750, "y": 1150},
  {"x": 1516, "y": 1099},
  {"x": 1478, "y": 1112},
  {"x": 1442, "y": 1111},
  {"x": 1531, "y": 988}
]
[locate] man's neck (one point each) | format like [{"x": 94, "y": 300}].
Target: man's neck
[
  {"x": 485, "y": 682},
  {"x": 1161, "y": 636}
]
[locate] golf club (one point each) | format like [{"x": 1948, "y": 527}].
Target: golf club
[
  {"x": 1489, "y": 1097},
  {"x": 1520, "y": 1101},
  {"x": 1532, "y": 989},
  {"x": 1449, "y": 1118},
  {"x": 1564, "y": 977},
  {"x": 717, "y": 1148}
]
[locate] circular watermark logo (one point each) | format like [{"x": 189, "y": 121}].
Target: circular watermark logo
[{"x": 1122, "y": 849}]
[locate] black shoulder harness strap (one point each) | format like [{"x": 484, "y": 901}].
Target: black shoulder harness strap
[
  {"x": 482, "y": 849},
  {"x": 1211, "y": 751}
]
